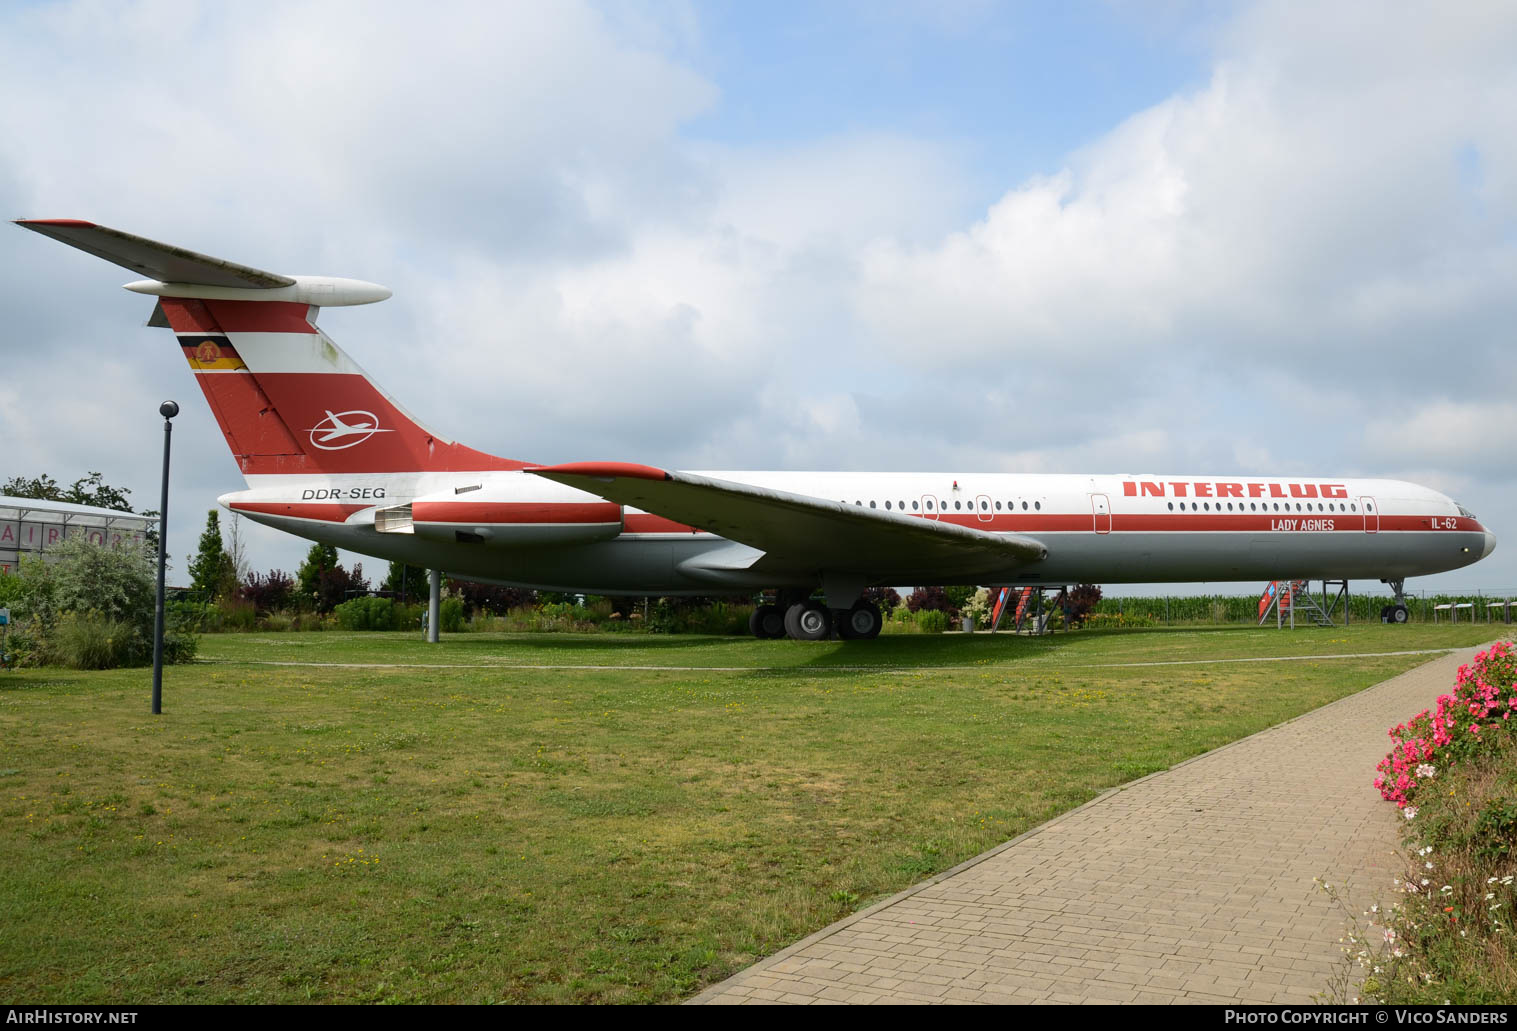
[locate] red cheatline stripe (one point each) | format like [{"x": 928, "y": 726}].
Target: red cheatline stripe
[
  {"x": 1195, "y": 522},
  {"x": 486, "y": 513},
  {"x": 1055, "y": 523},
  {"x": 325, "y": 513},
  {"x": 603, "y": 470}
]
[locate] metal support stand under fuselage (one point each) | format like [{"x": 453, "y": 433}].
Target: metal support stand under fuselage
[
  {"x": 434, "y": 604},
  {"x": 1031, "y": 615}
]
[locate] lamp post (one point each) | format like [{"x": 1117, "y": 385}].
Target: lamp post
[{"x": 168, "y": 410}]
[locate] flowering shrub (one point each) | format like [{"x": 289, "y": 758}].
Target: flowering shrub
[
  {"x": 1484, "y": 698},
  {"x": 978, "y": 608},
  {"x": 1449, "y": 937}
]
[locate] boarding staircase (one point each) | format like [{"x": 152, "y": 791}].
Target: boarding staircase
[
  {"x": 1026, "y": 617},
  {"x": 1293, "y": 601}
]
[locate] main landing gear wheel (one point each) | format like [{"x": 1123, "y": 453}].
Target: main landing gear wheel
[
  {"x": 860, "y": 623},
  {"x": 808, "y": 621},
  {"x": 767, "y": 622},
  {"x": 1399, "y": 614}
]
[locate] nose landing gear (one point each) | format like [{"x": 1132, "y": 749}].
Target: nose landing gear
[{"x": 1397, "y": 611}]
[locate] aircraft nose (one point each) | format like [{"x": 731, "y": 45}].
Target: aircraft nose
[{"x": 1490, "y": 544}]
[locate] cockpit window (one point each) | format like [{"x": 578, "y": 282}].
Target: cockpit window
[{"x": 1465, "y": 512}]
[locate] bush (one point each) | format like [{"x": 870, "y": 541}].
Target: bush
[
  {"x": 931, "y": 621},
  {"x": 718, "y": 618},
  {"x": 1483, "y": 700},
  {"x": 366, "y": 614},
  {"x": 491, "y": 598},
  {"x": 374, "y": 614},
  {"x": 698, "y": 616},
  {"x": 231, "y": 615},
  {"x": 269, "y": 592},
  {"x": 933, "y": 599},
  {"x": 178, "y": 645},
  {"x": 978, "y": 607},
  {"x": 91, "y": 641},
  {"x": 10, "y": 590},
  {"x": 1083, "y": 598},
  {"x": 1453, "y": 772},
  {"x": 451, "y": 615},
  {"x": 92, "y": 607}
]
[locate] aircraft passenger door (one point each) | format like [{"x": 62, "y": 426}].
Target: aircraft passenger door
[
  {"x": 1371, "y": 515},
  {"x": 1100, "y": 507},
  {"x": 982, "y": 507},
  {"x": 929, "y": 507}
]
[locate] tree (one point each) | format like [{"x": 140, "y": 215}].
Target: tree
[
  {"x": 405, "y": 582},
  {"x": 958, "y": 596},
  {"x": 337, "y": 585},
  {"x": 212, "y": 572},
  {"x": 43, "y": 487},
  {"x": 1082, "y": 599},
  {"x": 236, "y": 549},
  {"x": 323, "y": 584},
  {"x": 320, "y": 559},
  {"x": 269, "y": 593},
  {"x": 933, "y": 599},
  {"x": 491, "y": 598},
  {"x": 87, "y": 490}
]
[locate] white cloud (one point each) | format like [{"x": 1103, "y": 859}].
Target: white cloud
[{"x": 1470, "y": 437}]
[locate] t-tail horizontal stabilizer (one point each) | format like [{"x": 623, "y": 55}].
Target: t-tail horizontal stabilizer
[{"x": 177, "y": 272}]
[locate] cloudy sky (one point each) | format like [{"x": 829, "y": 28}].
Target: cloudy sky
[{"x": 1268, "y": 238}]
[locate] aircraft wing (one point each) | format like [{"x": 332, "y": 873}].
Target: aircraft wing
[
  {"x": 160, "y": 261},
  {"x": 799, "y": 533}
]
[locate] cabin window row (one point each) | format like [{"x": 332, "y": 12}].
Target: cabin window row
[
  {"x": 1205, "y": 506},
  {"x": 958, "y": 506}
]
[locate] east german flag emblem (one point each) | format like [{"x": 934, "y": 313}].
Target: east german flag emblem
[{"x": 211, "y": 354}]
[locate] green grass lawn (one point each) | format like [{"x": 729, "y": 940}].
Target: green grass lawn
[{"x": 468, "y": 831}]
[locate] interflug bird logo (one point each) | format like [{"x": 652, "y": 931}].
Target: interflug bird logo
[{"x": 340, "y": 426}]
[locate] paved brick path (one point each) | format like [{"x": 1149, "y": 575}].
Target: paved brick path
[{"x": 1195, "y": 884}]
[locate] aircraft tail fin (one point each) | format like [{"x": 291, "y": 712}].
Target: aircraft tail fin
[{"x": 289, "y": 401}]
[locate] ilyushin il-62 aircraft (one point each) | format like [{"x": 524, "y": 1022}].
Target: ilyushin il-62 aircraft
[{"x": 327, "y": 455}]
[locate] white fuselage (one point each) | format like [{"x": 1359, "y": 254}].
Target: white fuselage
[{"x": 523, "y": 530}]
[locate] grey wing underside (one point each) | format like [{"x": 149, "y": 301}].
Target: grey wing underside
[{"x": 800, "y": 535}]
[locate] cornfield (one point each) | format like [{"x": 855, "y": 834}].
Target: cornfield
[{"x": 1363, "y": 608}]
